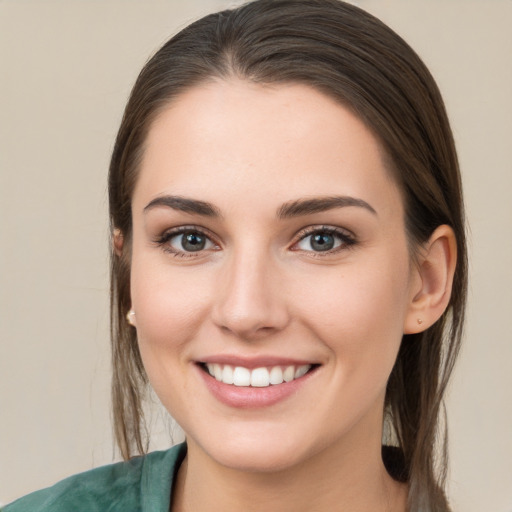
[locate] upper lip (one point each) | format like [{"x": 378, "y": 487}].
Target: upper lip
[{"x": 255, "y": 362}]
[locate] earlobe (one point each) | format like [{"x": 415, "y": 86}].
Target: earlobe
[
  {"x": 117, "y": 241},
  {"x": 435, "y": 269}
]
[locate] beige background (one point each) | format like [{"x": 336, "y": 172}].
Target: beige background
[{"x": 66, "y": 69}]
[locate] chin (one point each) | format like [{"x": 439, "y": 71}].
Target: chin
[
  {"x": 258, "y": 449},
  {"x": 262, "y": 457}
]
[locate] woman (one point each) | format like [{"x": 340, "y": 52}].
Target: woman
[{"x": 288, "y": 269}]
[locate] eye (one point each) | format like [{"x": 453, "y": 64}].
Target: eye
[
  {"x": 191, "y": 241},
  {"x": 185, "y": 241},
  {"x": 324, "y": 240}
]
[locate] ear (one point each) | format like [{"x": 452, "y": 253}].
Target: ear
[
  {"x": 118, "y": 241},
  {"x": 433, "y": 280}
]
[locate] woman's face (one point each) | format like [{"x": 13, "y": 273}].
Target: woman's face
[{"x": 268, "y": 241}]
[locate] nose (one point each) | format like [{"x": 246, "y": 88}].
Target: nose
[{"x": 250, "y": 302}]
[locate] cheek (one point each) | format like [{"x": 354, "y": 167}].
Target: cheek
[
  {"x": 358, "y": 312},
  {"x": 168, "y": 306}
]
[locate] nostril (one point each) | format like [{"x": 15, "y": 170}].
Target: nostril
[{"x": 248, "y": 333}]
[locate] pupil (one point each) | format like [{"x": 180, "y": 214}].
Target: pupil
[
  {"x": 322, "y": 242},
  {"x": 193, "y": 242}
]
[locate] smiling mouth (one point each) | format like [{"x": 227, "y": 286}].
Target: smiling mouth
[{"x": 257, "y": 377}]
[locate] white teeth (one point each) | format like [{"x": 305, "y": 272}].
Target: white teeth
[
  {"x": 259, "y": 377},
  {"x": 227, "y": 374},
  {"x": 301, "y": 370},
  {"x": 276, "y": 375},
  {"x": 217, "y": 371},
  {"x": 289, "y": 373},
  {"x": 241, "y": 376}
]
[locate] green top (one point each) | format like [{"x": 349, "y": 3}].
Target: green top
[{"x": 142, "y": 484}]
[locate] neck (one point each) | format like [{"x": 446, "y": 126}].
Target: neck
[{"x": 349, "y": 477}]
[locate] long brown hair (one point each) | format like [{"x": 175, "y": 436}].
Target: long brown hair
[{"x": 353, "y": 57}]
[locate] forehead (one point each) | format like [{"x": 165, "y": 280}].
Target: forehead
[{"x": 285, "y": 140}]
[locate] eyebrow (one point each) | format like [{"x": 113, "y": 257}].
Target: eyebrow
[
  {"x": 288, "y": 210},
  {"x": 184, "y": 204},
  {"x": 320, "y": 204}
]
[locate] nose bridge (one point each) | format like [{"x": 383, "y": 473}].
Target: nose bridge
[{"x": 250, "y": 302}]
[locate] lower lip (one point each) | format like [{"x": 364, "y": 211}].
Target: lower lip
[{"x": 248, "y": 397}]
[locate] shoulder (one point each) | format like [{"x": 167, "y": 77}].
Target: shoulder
[{"x": 124, "y": 486}]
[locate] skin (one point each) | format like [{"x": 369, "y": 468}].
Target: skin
[{"x": 258, "y": 288}]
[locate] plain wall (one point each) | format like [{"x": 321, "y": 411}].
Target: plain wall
[{"x": 66, "y": 68}]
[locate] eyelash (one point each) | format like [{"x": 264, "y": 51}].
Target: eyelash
[
  {"x": 164, "y": 239},
  {"x": 346, "y": 239}
]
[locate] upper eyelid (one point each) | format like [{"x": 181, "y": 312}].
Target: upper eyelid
[
  {"x": 318, "y": 228},
  {"x": 178, "y": 230}
]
